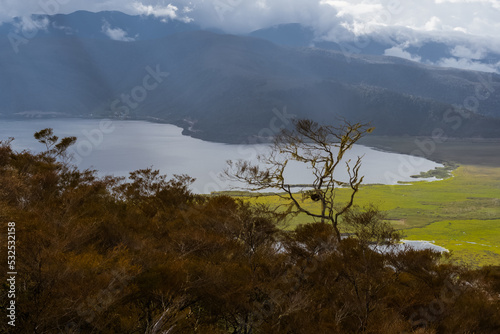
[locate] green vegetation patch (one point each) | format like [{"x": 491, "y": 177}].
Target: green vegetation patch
[
  {"x": 472, "y": 194},
  {"x": 474, "y": 242},
  {"x": 438, "y": 172}
]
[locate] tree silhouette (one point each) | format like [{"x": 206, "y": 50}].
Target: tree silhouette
[
  {"x": 322, "y": 149},
  {"x": 54, "y": 147}
]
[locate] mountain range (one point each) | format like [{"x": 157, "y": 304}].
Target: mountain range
[{"x": 230, "y": 88}]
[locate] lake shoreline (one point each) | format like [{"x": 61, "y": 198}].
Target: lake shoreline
[
  {"x": 446, "y": 150},
  {"x": 158, "y": 145}
]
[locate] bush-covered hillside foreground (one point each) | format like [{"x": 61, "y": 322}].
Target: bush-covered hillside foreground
[{"x": 103, "y": 255}]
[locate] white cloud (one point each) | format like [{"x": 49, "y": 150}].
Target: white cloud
[
  {"x": 27, "y": 24},
  {"x": 468, "y": 64},
  {"x": 166, "y": 12},
  {"x": 398, "y": 51},
  {"x": 461, "y": 51},
  {"x": 345, "y": 8},
  {"x": 116, "y": 34},
  {"x": 433, "y": 24},
  {"x": 475, "y": 17},
  {"x": 187, "y": 9},
  {"x": 334, "y": 20},
  {"x": 67, "y": 30},
  {"x": 471, "y": 26},
  {"x": 493, "y": 3}
]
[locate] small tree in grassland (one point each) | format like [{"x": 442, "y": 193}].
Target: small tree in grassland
[{"x": 321, "y": 148}]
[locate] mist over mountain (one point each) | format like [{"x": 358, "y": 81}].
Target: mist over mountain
[
  {"x": 455, "y": 52},
  {"x": 102, "y": 25},
  {"x": 229, "y": 88}
]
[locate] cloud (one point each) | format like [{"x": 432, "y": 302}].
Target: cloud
[
  {"x": 433, "y": 24},
  {"x": 493, "y": 3},
  {"x": 166, "y": 12},
  {"x": 67, "y": 30},
  {"x": 468, "y": 64},
  {"x": 27, "y": 24},
  {"x": 469, "y": 55},
  {"x": 116, "y": 34},
  {"x": 398, "y": 51},
  {"x": 461, "y": 51},
  {"x": 243, "y": 16},
  {"x": 474, "y": 17},
  {"x": 413, "y": 21}
]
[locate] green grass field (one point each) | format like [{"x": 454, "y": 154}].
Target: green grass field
[{"x": 460, "y": 213}]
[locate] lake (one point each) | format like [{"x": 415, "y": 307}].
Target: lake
[{"x": 116, "y": 147}]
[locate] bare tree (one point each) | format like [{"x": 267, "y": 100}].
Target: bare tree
[{"x": 321, "y": 148}]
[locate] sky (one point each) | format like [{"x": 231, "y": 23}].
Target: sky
[
  {"x": 477, "y": 17},
  {"x": 476, "y": 22}
]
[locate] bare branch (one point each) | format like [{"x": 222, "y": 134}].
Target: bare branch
[{"x": 319, "y": 147}]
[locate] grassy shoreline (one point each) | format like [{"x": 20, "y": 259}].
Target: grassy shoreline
[{"x": 461, "y": 213}]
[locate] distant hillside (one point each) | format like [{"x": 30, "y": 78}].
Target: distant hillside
[
  {"x": 427, "y": 50},
  {"x": 101, "y": 25},
  {"x": 225, "y": 87}
]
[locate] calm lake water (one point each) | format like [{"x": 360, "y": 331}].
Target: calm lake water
[{"x": 119, "y": 147}]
